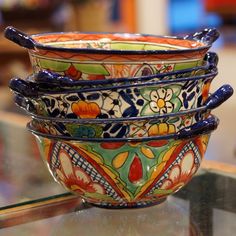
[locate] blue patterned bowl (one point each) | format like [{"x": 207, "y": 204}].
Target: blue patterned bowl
[
  {"x": 131, "y": 127},
  {"x": 126, "y": 173},
  {"x": 151, "y": 98}
]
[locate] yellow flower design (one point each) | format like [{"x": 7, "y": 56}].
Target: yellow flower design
[
  {"x": 160, "y": 129},
  {"x": 161, "y": 100}
]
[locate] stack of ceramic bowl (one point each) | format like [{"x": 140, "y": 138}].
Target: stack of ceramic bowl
[{"x": 123, "y": 120}]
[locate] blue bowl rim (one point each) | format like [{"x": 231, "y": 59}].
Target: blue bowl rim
[
  {"x": 187, "y": 133},
  {"x": 213, "y": 72},
  {"x": 192, "y": 111}
]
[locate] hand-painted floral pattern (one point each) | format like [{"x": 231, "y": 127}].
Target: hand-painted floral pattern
[
  {"x": 85, "y": 109},
  {"x": 76, "y": 179},
  {"x": 120, "y": 129},
  {"x": 161, "y": 101},
  {"x": 121, "y": 69},
  {"x": 122, "y": 102},
  {"x": 133, "y": 156},
  {"x": 124, "y": 174},
  {"x": 180, "y": 174},
  {"x": 161, "y": 128},
  {"x": 73, "y": 73}
]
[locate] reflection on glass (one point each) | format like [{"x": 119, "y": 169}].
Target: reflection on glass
[{"x": 168, "y": 218}]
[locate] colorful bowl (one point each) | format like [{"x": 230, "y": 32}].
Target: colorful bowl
[
  {"x": 131, "y": 127},
  {"x": 45, "y": 81},
  {"x": 95, "y": 56},
  {"x": 151, "y": 98},
  {"x": 126, "y": 173}
]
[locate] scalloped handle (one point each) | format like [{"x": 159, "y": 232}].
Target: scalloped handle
[
  {"x": 207, "y": 36},
  {"x": 219, "y": 96},
  {"x": 45, "y": 76},
  {"x": 201, "y": 127},
  {"x": 19, "y": 37},
  {"x": 24, "y": 103},
  {"x": 23, "y": 87},
  {"x": 212, "y": 58}
]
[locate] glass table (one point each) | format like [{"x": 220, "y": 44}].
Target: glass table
[{"x": 206, "y": 206}]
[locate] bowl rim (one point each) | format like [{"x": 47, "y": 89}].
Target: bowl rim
[
  {"x": 192, "y": 111},
  {"x": 185, "y": 133},
  {"x": 205, "y": 45},
  {"x": 212, "y": 73}
]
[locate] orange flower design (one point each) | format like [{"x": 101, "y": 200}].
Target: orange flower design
[
  {"x": 75, "y": 178},
  {"x": 85, "y": 109},
  {"x": 181, "y": 173}
]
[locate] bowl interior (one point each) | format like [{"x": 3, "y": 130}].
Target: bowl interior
[{"x": 130, "y": 42}]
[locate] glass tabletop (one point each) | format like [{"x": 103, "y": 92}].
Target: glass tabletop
[{"x": 206, "y": 206}]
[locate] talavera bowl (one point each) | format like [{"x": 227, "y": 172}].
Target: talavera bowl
[
  {"x": 47, "y": 81},
  {"x": 131, "y": 127},
  {"x": 95, "y": 56},
  {"x": 125, "y": 173},
  {"x": 151, "y": 98}
]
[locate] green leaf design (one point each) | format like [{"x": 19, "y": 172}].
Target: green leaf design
[
  {"x": 145, "y": 92},
  {"x": 185, "y": 65},
  {"x": 94, "y": 69},
  {"x": 146, "y": 110},
  {"x": 176, "y": 90},
  {"x": 177, "y": 104},
  {"x": 88, "y": 131},
  {"x": 173, "y": 120},
  {"x": 54, "y": 65}
]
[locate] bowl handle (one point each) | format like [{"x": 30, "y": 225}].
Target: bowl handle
[
  {"x": 219, "y": 96},
  {"x": 212, "y": 58},
  {"x": 207, "y": 36},
  {"x": 19, "y": 37},
  {"x": 24, "y": 103},
  {"x": 23, "y": 87},
  {"x": 201, "y": 127},
  {"x": 49, "y": 77}
]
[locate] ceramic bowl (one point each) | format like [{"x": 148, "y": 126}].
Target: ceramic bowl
[
  {"x": 95, "y": 56},
  {"x": 46, "y": 81},
  {"x": 131, "y": 127},
  {"x": 125, "y": 173},
  {"x": 151, "y": 98}
]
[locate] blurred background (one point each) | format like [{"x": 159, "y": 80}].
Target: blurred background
[{"x": 18, "y": 151}]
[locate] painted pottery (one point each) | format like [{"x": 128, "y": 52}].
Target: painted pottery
[
  {"x": 96, "y": 56},
  {"x": 131, "y": 127},
  {"x": 152, "y": 98},
  {"x": 46, "y": 81},
  {"x": 125, "y": 173}
]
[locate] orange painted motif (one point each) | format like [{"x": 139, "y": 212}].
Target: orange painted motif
[{"x": 85, "y": 109}]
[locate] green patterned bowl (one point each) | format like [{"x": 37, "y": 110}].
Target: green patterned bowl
[
  {"x": 126, "y": 173},
  {"x": 96, "y": 56}
]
